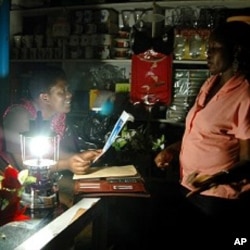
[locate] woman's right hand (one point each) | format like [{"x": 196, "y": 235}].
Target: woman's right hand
[
  {"x": 164, "y": 158},
  {"x": 80, "y": 163}
]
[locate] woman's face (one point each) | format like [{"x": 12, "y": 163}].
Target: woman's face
[
  {"x": 59, "y": 97},
  {"x": 218, "y": 59}
]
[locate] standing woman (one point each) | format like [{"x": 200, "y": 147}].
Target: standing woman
[
  {"x": 50, "y": 96},
  {"x": 217, "y": 133}
]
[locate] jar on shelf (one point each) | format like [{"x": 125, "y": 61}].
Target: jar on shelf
[{"x": 61, "y": 27}]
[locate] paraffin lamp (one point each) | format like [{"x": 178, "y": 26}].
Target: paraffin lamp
[{"x": 40, "y": 152}]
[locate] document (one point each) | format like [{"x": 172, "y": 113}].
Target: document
[
  {"x": 108, "y": 171},
  {"x": 116, "y": 130}
]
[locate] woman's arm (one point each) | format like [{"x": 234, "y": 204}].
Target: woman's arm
[{"x": 14, "y": 123}]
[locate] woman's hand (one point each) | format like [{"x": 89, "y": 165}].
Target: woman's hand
[
  {"x": 79, "y": 163},
  {"x": 164, "y": 158}
]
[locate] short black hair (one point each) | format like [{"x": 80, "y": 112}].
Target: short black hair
[{"x": 43, "y": 79}]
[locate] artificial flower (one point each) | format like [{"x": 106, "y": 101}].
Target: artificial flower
[{"x": 12, "y": 184}]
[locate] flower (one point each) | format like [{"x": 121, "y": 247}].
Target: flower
[
  {"x": 12, "y": 184},
  {"x": 138, "y": 140}
]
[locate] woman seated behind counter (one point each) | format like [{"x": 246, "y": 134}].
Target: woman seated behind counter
[{"x": 49, "y": 94}]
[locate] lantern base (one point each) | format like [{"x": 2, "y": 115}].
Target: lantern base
[
  {"x": 32, "y": 201},
  {"x": 43, "y": 193}
]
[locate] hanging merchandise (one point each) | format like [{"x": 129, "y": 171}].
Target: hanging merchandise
[
  {"x": 152, "y": 46},
  {"x": 151, "y": 78},
  {"x": 141, "y": 42},
  {"x": 150, "y": 32}
]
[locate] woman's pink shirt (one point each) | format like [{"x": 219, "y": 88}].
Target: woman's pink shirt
[{"x": 210, "y": 142}]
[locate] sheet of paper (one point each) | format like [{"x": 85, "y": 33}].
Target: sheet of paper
[
  {"x": 109, "y": 171},
  {"x": 116, "y": 130}
]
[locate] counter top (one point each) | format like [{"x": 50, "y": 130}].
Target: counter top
[
  {"x": 55, "y": 227},
  {"x": 46, "y": 227}
]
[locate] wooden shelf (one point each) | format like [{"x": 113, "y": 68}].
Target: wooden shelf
[
  {"x": 132, "y": 5},
  {"x": 183, "y": 62},
  {"x": 71, "y": 60},
  {"x": 188, "y": 62}
]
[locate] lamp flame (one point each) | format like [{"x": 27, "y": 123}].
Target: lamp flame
[{"x": 39, "y": 146}]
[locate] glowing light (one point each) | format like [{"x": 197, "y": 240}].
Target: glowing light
[{"x": 39, "y": 146}]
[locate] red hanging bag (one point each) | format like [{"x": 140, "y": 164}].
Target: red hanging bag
[{"x": 151, "y": 81}]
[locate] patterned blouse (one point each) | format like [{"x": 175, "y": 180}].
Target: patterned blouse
[{"x": 58, "y": 122}]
